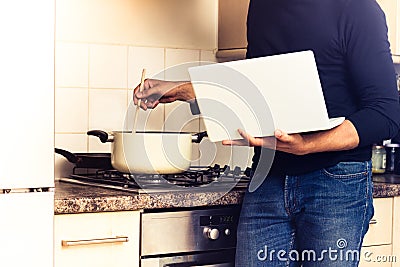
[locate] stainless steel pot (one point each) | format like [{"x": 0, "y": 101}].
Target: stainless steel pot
[{"x": 150, "y": 152}]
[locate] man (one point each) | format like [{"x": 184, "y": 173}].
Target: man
[{"x": 314, "y": 207}]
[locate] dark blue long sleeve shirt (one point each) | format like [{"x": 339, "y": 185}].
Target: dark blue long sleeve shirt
[{"x": 350, "y": 43}]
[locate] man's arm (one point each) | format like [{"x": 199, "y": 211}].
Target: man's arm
[
  {"x": 342, "y": 137},
  {"x": 158, "y": 91},
  {"x": 371, "y": 71}
]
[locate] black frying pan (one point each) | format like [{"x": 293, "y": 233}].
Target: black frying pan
[{"x": 87, "y": 160}]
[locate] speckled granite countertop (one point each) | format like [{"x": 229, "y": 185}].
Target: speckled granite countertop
[
  {"x": 386, "y": 185},
  {"x": 73, "y": 198}
]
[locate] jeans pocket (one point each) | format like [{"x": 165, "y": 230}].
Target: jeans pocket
[{"x": 344, "y": 170}]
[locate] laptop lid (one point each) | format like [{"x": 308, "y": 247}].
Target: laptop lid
[{"x": 261, "y": 95}]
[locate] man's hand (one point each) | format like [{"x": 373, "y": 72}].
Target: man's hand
[
  {"x": 290, "y": 143},
  {"x": 158, "y": 91},
  {"x": 342, "y": 137}
]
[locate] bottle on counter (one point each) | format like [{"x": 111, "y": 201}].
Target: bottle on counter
[
  {"x": 398, "y": 82},
  {"x": 378, "y": 159},
  {"x": 393, "y": 158}
]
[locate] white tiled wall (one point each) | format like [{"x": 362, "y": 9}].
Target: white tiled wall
[
  {"x": 107, "y": 109},
  {"x": 150, "y": 58},
  {"x": 71, "y": 110},
  {"x": 72, "y": 65},
  {"x": 102, "y": 47},
  {"x": 108, "y": 66}
]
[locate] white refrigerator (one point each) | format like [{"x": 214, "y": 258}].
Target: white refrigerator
[{"x": 27, "y": 132}]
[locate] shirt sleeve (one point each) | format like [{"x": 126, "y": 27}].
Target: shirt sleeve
[{"x": 371, "y": 71}]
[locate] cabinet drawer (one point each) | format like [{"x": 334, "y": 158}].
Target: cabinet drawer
[
  {"x": 380, "y": 227},
  {"x": 97, "y": 239},
  {"x": 376, "y": 256}
]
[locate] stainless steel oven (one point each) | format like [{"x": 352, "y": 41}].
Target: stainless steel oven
[{"x": 189, "y": 238}]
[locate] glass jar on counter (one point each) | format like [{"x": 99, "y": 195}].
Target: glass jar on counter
[{"x": 378, "y": 159}]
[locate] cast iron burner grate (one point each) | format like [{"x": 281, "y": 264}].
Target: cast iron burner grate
[{"x": 195, "y": 176}]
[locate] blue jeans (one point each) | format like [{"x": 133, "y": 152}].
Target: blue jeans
[{"x": 316, "y": 219}]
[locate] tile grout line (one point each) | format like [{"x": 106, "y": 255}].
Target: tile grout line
[
  {"x": 134, "y": 45},
  {"x": 88, "y": 100},
  {"x": 125, "y": 123}
]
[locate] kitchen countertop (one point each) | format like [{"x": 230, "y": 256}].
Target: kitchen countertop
[
  {"x": 386, "y": 185},
  {"x": 73, "y": 198}
]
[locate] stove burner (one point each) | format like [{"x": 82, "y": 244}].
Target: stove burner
[{"x": 194, "y": 177}]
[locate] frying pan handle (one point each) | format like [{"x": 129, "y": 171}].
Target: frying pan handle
[
  {"x": 102, "y": 135},
  {"x": 196, "y": 138},
  {"x": 68, "y": 155}
]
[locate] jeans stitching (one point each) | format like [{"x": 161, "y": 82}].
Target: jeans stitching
[
  {"x": 365, "y": 213},
  {"x": 291, "y": 246},
  {"x": 286, "y": 196},
  {"x": 344, "y": 176},
  {"x": 290, "y": 194}
]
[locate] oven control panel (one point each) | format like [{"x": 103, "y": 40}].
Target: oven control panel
[
  {"x": 190, "y": 230},
  {"x": 218, "y": 226},
  {"x": 226, "y": 219}
]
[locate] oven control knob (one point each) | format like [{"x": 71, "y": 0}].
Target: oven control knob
[
  {"x": 211, "y": 233},
  {"x": 227, "y": 231}
]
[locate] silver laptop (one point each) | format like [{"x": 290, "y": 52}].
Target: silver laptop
[{"x": 261, "y": 95}]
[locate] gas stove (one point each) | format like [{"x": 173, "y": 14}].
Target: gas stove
[{"x": 197, "y": 178}]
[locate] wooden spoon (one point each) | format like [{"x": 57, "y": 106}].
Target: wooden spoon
[{"x": 141, "y": 87}]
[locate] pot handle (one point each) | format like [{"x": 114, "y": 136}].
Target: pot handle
[
  {"x": 196, "y": 138},
  {"x": 102, "y": 135},
  {"x": 68, "y": 155}
]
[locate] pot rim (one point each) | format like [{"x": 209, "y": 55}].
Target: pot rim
[{"x": 151, "y": 132}]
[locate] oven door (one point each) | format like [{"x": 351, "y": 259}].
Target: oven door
[{"x": 224, "y": 258}]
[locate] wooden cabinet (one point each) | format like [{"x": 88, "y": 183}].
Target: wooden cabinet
[
  {"x": 392, "y": 12},
  {"x": 232, "y": 39},
  {"x": 97, "y": 239},
  {"x": 380, "y": 227},
  {"x": 378, "y": 242}
]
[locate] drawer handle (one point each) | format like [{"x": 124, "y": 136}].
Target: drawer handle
[
  {"x": 117, "y": 239},
  {"x": 373, "y": 221}
]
